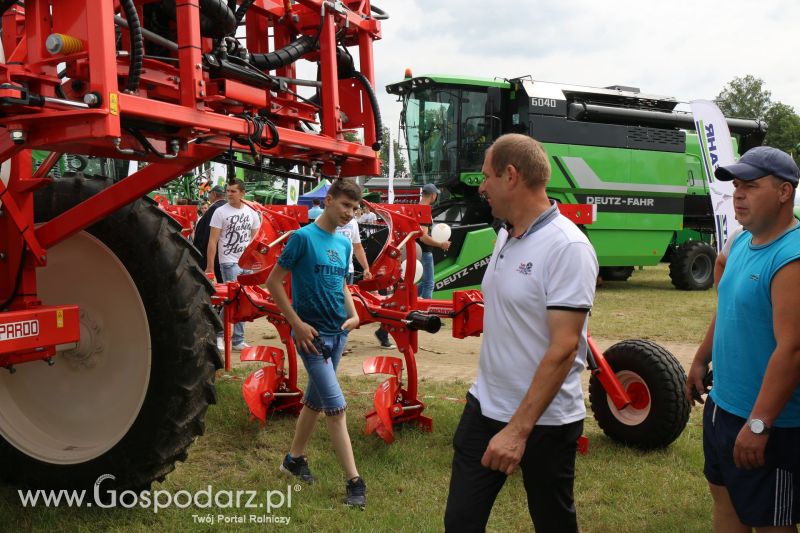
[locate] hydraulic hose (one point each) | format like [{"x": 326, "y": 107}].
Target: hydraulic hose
[
  {"x": 216, "y": 18},
  {"x": 303, "y": 45},
  {"x": 286, "y": 55},
  {"x": 137, "y": 46},
  {"x": 380, "y": 14},
  {"x": 376, "y": 112},
  {"x": 240, "y": 13}
]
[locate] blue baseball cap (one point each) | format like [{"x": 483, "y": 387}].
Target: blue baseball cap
[{"x": 759, "y": 162}]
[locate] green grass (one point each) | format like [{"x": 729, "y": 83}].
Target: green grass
[
  {"x": 617, "y": 489},
  {"x": 648, "y": 306}
]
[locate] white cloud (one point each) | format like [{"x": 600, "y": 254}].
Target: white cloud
[{"x": 685, "y": 49}]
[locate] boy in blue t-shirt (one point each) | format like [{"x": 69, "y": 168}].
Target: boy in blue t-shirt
[{"x": 321, "y": 314}]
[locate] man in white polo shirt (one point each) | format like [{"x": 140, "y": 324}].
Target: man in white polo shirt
[{"x": 525, "y": 410}]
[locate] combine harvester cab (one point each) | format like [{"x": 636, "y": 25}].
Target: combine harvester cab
[
  {"x": 107, "y": 334},
  {"x": 627, "y": 153}
]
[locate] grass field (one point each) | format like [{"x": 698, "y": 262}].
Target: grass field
[
  {"x": 648, "y": 306},
  {"x": 617, "y": 489}
]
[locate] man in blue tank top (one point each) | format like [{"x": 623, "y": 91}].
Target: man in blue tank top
[{"x": 751, "y": 422}]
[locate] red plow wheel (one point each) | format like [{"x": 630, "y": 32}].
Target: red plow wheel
[{"x": 656, "y": 411}]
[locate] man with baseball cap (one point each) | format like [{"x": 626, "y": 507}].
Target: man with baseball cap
[
  {"x": 428, "y": 196},
  {"x": 751, "y": 421}
]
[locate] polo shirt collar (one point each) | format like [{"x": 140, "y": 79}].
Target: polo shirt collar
[{"x": 541, "y": 221}]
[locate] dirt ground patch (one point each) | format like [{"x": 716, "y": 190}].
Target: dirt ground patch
[{"x": 440, "y": 356}]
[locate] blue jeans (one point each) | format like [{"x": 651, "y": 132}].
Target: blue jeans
[
  {"x": 425, "y": 288},
  {"x": 231, "y": 271},
  {"x": 323, "y": 392}
]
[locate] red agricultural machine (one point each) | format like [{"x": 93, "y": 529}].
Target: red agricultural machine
[
  {"x": 107, "y": 333},
  {"x": 635, "y": 390}
]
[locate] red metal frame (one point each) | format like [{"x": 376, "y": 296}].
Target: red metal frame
[
  {"x": 184, "y": 113},
  {"x": 395, "y": 401},
  {"x": 185, "y": 215}
]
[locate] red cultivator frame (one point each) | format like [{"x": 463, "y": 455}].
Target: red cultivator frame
[
  {"x": 97, "y": 281},
  {"x": 273, "y": 388}
]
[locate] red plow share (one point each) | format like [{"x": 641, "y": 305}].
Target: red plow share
[{"x": 274, "y": 387}]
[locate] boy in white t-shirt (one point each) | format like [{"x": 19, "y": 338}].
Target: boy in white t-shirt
[
  {"x": 350, "y": 232},
  {"x": 232, "y": 227},
  {"x": 368, "y": 217}
]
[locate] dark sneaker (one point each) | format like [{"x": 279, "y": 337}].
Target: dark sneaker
[
  {"x": 383, "y": 339},
  {"x": 297, "y": 467},
  {"x": 356, "y": 493}
]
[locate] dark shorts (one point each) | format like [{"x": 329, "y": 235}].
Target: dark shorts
[{"x": 766, "y": 496}]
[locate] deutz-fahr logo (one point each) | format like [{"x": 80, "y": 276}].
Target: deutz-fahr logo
[{"x": 19, "y": 330}]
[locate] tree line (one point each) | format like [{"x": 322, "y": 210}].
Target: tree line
[{"x": 747, "y": 97}]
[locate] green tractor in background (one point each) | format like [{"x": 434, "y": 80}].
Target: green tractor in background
[{"x": 628, "y": 154}]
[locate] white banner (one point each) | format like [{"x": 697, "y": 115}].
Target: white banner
[
  {"x": 390, "y": 190},
  {"x": 715, "y": 150},
  {"x": 219, "y": 174},
  {"x": 292, "y": 191}
]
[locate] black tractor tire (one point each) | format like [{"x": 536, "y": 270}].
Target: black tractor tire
[
  {"x": 616, "y": 273},
  {"x": 661, "y": 415},
  {"x": 175, "y": 306},
  {"x": 692, "y": 266}
]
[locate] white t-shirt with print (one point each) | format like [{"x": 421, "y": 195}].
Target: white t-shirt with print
[
  {"x": 350, "y": 232},
  {"x": 236, "y": 229},
  {"x": 552, "y": 266},
  {"x": 368, "y": 218}
]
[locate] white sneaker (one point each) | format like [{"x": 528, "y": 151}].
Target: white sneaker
[
  {"x": 220, "y": 343},
  {"x": 240, "y": 347}
]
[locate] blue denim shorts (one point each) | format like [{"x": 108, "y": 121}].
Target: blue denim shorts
[{"x": 323, "y": 392}]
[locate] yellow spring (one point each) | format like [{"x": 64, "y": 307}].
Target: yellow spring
[{"x": 58, "y": 43}]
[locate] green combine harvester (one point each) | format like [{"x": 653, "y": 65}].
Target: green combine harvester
[{"x": 631, "y": 155}]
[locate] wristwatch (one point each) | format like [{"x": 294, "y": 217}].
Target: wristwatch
[{"x": 757, "y": 426}]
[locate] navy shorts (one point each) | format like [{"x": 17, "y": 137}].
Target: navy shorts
[{"x": 766, "y": 496}]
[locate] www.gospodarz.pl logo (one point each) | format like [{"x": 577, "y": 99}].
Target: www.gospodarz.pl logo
[{"x": 266, "y": 502}]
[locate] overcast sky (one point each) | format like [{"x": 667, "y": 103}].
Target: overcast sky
[{"x": 684, "y": 49}]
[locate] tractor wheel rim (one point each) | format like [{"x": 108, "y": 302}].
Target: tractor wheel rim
[
  {"x": 639, "y": 408},
  {"x": 79, "y": 408}
]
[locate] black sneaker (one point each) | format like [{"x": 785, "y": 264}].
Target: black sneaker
[
  {"x": 383, "y": 339},
  {"x": 356, "y": 493},
  {"x": 297, "y": 467}
]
